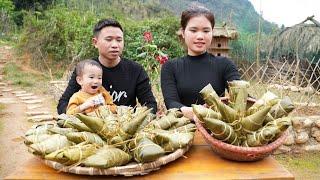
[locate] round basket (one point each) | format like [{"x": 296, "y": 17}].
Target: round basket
[
  {"x": 238, "y": 153},
  {"x": 130, "y": 169}
]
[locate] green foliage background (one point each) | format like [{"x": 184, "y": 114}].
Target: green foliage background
[{"x": 57, "y": 33}]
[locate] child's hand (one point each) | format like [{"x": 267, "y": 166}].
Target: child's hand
[{"x": 87, "y": 104}]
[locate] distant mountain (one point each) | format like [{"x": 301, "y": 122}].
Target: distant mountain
[{"x": 239, "y": 13}]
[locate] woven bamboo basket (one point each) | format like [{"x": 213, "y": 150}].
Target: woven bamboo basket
[
  {"x": 238, "y": 153},
  {"x": 130, "y": 169}
]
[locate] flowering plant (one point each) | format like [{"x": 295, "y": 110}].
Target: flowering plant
[{"x": 151, "y": 55}]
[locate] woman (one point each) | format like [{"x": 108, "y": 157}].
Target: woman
[{"x": 183, "y": 78}]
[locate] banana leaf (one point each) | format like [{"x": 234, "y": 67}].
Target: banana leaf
[
  {"x": 70, "y": 121},
  {"x": 72, "y": 154},
  {"x": 146, "y": 151},
  {"x": 62, "y": 131},
  {"x": 202, "y": 112},
  {"x": 255, "y": 121},
  {"x": 99, "y": 126},
  {"x": 221, "y": 130},
  {"x": 107, "y": 157},
  {"x": 53, "y": 143},
  {"x": 36, "y": 138},
  {"x": 90, "y": 138},
  {"x": 238, "y": 90},
  {"x": 283, "y": 108},
  {"x": 172, "y": 141},
  {"x": 39, "y": 129}
]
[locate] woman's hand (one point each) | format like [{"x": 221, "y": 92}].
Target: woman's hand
[{"x": 187, "y": 112}]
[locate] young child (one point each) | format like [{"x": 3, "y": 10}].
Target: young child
[{"x": 92, "y": 93}]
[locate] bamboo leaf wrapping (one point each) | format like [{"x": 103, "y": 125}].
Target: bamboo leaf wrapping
[
  {"x": 221, "y": 130},
  {"x": 36, "y": 138},
  {"x": 106, "y": 157},
  {"x": 282, "y": 108},
  {"x": 261, "y": 137},
  {"x": 73, "y": 154},
  {"x": 146, "y": 151},
  {"x": 39, "y": 129},
  {"x": 265, "y": 99},
  {"x": 254, "y": 122},
  {"x": 79, "y": 137},
  {"x": 208, "y": 95},
  {"x": 53, "y": 143},
  {"x": 62, "y": 131},
  {"x": 98, "y": 125},
  {"x": 132, "y": 126},
  {"x": 238, "y": 96},
  {"x": 201, "y": 112},
  {"x": 164, "y": 122},
  {"x": 172, "y": 141},
  {"x": 69, "y": 121}
]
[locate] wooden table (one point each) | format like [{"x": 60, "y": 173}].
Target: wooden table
[{"x": 200, "y": 163}]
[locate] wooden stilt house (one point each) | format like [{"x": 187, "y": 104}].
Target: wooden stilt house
[{"x": 221, "y": 37}]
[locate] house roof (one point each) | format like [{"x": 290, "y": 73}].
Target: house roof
[
  {"x": 225, "y": 31},
  {"x": 301, "y": 39}
]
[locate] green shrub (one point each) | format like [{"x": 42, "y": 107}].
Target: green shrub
[{"x": 61, "y": 36}]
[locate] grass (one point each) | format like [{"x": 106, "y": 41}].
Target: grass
[
  {"x": 302, "y": 166},
  {"x": 28, "y": 80}
]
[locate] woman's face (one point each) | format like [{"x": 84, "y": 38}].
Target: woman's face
[{"x": 198, "y": 35}]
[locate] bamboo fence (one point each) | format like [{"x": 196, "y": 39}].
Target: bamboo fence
[{"x": 298, "y": 79}]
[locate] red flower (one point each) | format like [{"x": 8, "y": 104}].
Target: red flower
[
  {"x": 162, "y": 59},
  {"x": 147, "y": 36}
]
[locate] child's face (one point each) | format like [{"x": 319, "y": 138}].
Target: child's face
[{"x": 91, "y": 79}]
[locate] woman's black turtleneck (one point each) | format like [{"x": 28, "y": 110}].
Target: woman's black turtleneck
[{"x": 183, "y": 78}]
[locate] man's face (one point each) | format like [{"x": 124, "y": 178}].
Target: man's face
[
  {"x": 91, "y": 79},
  {"x": 109, "y": 43}
]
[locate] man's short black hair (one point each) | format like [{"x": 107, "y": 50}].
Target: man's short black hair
[
  {"x": 80, "y": 66},
  {"x": 105, "y": 23}
]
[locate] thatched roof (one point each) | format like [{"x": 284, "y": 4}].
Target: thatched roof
[
  {"x": 225, "y": 31},
  {"x": 301, "y": 40}
]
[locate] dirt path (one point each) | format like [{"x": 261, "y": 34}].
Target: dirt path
[{"x": 13, "y": 120}]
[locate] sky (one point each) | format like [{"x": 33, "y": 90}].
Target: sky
[{"x": 287, "y": 12}]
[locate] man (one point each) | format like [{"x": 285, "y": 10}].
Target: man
[{"x": 126, "y": 80}]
